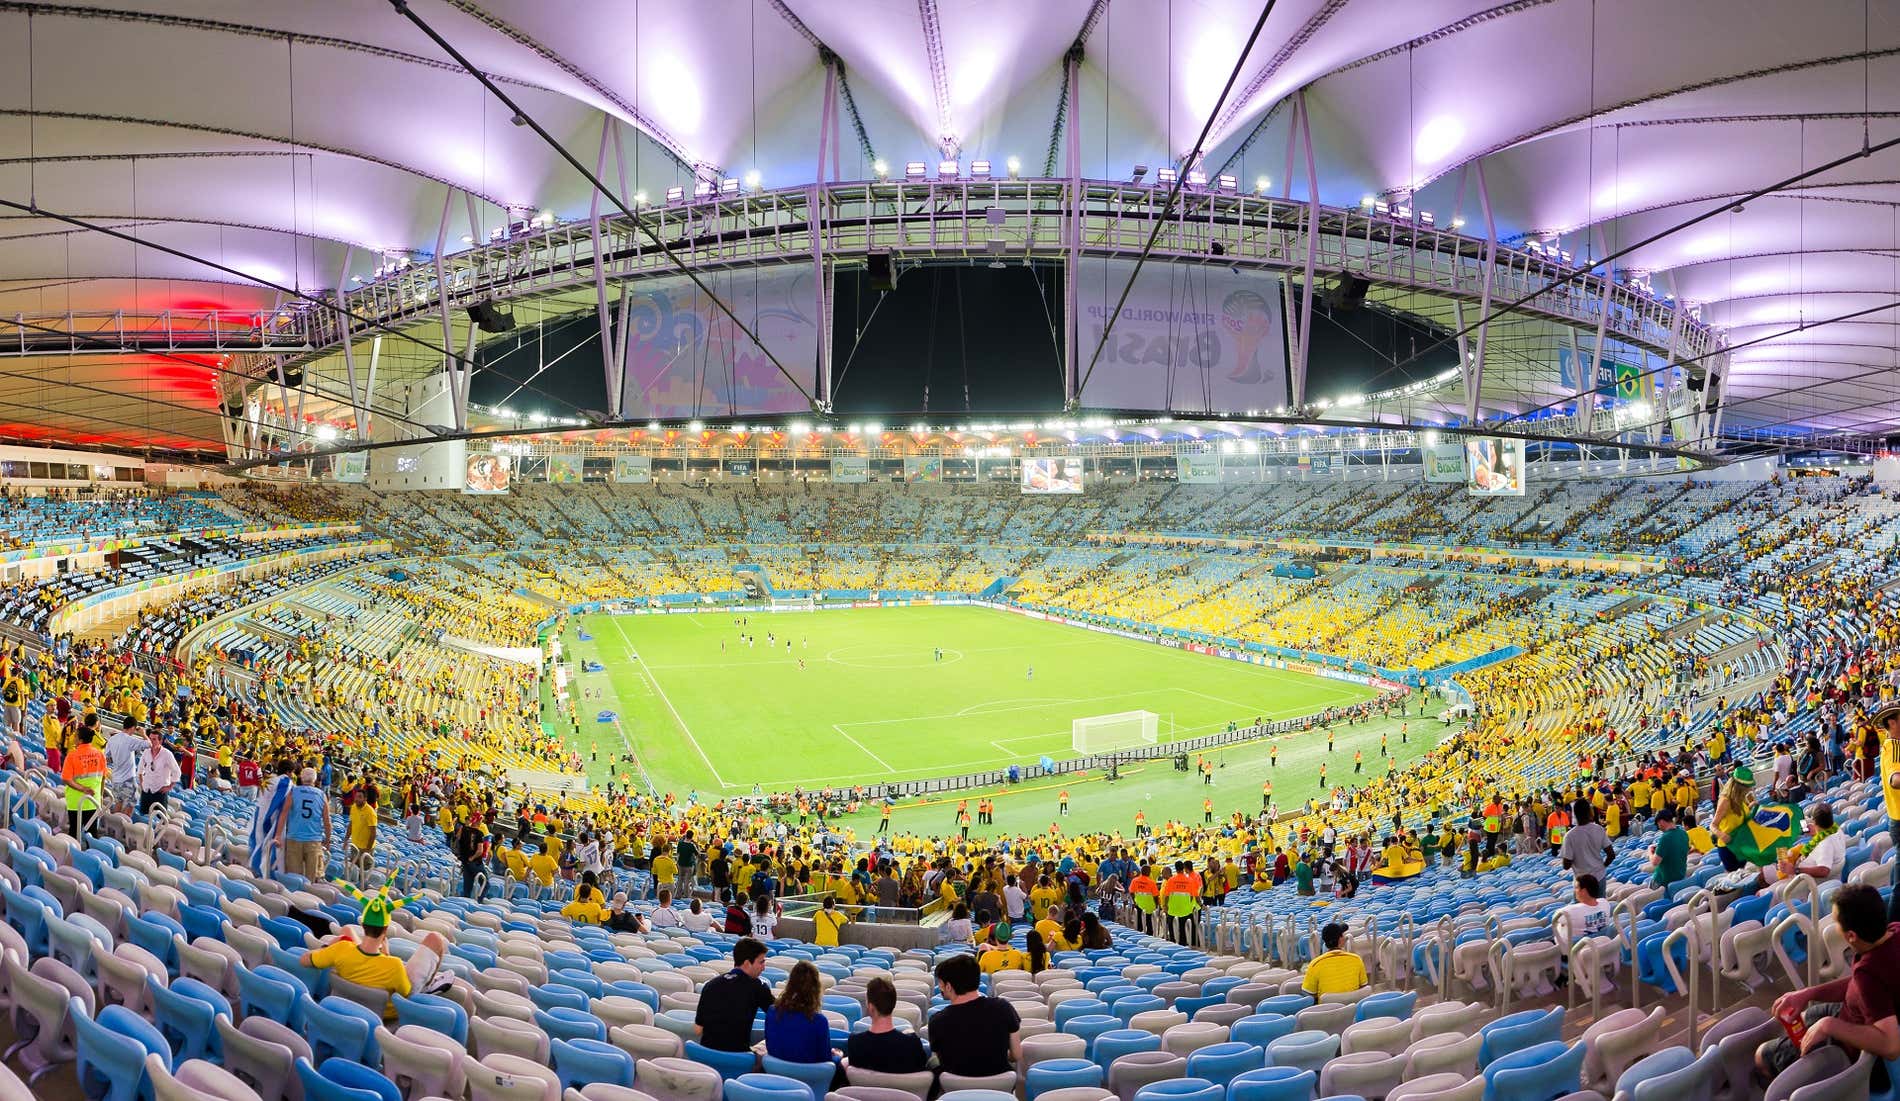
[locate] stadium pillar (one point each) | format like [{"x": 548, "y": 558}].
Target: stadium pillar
[
  {"x": 1474, "y": 366},
  {"x": 1303, "y": 120},
  {"x": 449, "y": 365},
  {"x": 608, "y": 364},
  {"x": 349, "y": 355},
  {"x": 815, "y": 203},
  {"x": 1071, "y": 384}
]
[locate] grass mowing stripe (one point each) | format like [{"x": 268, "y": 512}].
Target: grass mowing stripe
[{"x": 834, "y": 689}]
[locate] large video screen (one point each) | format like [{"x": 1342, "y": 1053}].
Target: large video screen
[
  {"x": 1052, "y": 475},
  {"x": 1494, "y": 466},
  {"x": 486, "y": 474},
  {"x": 1200, "y": 338},
  {"x": 686, "y": 358}
]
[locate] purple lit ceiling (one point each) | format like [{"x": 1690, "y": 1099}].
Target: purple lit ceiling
[{"x": 271, "y": 135}]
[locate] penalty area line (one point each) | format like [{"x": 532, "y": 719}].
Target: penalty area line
[{"x": 866, "y": 750}]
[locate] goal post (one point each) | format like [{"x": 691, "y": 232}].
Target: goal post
[{"x": 1110, "y": 733}]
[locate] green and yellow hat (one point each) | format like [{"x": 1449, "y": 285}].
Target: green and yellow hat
[{"x": 377, "y": 905}]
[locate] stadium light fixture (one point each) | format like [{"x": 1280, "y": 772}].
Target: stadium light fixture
[
  {"x": 1015, "y": 166},
  {"x": 1457, "y": 221},
  {"x": 653, "y": 426},
  {"x": 703, "y": 189},
  {"x": 873, "y": 428},
  {"x": 639, "y": 199},
  {"x": 729, "y": 186},
  {"x": 1367, "y": 201},
  {"x": 948, "y": 170},
  {"x": 1136, "y": 174},
  {"x": 753, "y": 180},
  {"x": 1262, "y": 185},
  {"x": 1425, "y": 218},
  {"x": 1166, "y": 176},
  {"x": 696, "y": 426},
  {"x": 880, "y": 169},
  {"x": 914, "y": 170},
  {"x": 1197, "y": 178},
  {"x": 979, "y": 170},
  {"x": 800, "y": 428},
  {"x": 1250, "y": 447},
  {"x": 1229, "y": 183},
  {"x": 467, "y": 240},
  {"x": 1431, "y": 439},
  {"x": 675, "y": 195},
  {"x": 326, "y": 432}
]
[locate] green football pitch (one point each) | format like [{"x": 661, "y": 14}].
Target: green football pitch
[{"x": 842, "y": 697}]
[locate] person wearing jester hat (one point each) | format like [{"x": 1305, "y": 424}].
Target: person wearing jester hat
[{"x": 360, "y": 954}]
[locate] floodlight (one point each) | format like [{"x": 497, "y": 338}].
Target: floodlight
[
  {"x": 752, "y": 180},
  {"x": 1457, "y": 221},
  {"x": 880, "y": 169},
  {"x": 1367, "y": 201},
  {"x": 1229, "y": 182},
  {"x": 1261, "y": 185},
  {"x": 729, "y": 186},
  {"x": 639, "y": 198},
  {"x": 1015, "y": 166},
  {"x": 948, "y": 170},
  {"x": 1381, "y": 208},
  {"x": 1138, "y": 172},
  {"x": 1197, "y": 178},
  {"x": 913, "y": 170},
  {"x": 979, "y": 170},
  {"x": 703, "y": 189},
  {"x": 1425, "y": 218},
  {"x": 1166, "y": 175},
  {"x": 675, "y": 194}
]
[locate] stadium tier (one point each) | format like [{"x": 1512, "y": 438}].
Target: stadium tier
[{"x": 1179, "y": 877}]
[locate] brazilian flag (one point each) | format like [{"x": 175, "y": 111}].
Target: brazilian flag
[
  {"x": 1772, "y": 828},
  {"x": 1629, "y": 382}
]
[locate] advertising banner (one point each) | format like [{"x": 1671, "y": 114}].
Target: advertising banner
[
  {"x": 633, "y": 468},
  {"x": 1189, "y": 338},
  {"x": 1323, "y": 464},
  {"x": 564, "y": 468},
  {"x": 1444, "y": 461},
  {"x": 851, "y": 468},
  {"x": 353, "y": 467},
  {"x": 1052, "y": 476},
  {"x": 487, "y": 474},
  {"x": 1197, "y": 469},
  {"x": 686, "y": 358},
  {"x": 1494, "y": 466},
  {"x": 927, "y": 468}
]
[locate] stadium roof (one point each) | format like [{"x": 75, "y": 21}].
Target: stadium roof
[{"x": 272, "y": 137}]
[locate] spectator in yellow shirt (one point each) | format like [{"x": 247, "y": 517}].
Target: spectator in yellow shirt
[
  {"x": 827, "y": 922},
  {"x": 1335, "y": 971}
]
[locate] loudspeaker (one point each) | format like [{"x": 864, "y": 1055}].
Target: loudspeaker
[
  {"x": 882, "y": 272},
  {"x": 232, "y": 408},
  {"x": 293, "y": 377},
  {"x": 1695, "y": 380},
  {"x": 1349, "y": 293},
  {"x": 490, "y": 320},
  {"x": 1712, "y": 396}
]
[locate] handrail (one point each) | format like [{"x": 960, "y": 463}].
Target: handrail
[
  {"x": 26, "y": 791},
  {"x": 1691, "y": 985},
  {"x": 1802, "y": 881},
  {"x": 1625, "y": 906},
  {"x": 1496, "y": 957},
  {"x": 212, "y": 829}
]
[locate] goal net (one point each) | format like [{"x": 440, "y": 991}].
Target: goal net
[{"x": 1108, "y": 733}]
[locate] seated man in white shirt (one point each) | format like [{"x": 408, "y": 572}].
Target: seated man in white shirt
[
  {"x": 1821, "y": 857},
  {"x": 1589, "y": 916},
  {"x": 663, "y": 915}
]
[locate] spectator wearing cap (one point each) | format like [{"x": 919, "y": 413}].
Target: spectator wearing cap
[
  {"x": 1671, "y": 855},
  {"x": 1335, "y": 971}
]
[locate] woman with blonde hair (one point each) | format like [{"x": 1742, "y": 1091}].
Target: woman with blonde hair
[{"x": 795, "y": 1027}]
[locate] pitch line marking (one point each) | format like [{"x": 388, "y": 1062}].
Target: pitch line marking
[
  {"x": 882, "y": 763},
  {"x": 634, "y": 656},
  {"x": 990, "y": 706}
]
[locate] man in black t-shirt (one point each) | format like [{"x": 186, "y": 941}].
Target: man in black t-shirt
[
  {"x": 881, "y": 1048},
  {"x": 974, "y": 1035},
  {"x": 727, "y": 1004}
]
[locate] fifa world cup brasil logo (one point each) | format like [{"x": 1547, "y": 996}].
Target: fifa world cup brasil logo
[{"x": 1249, "y": 317}]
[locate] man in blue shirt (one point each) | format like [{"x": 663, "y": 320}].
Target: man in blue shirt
[{"x": 305, "y": 828}]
